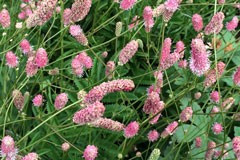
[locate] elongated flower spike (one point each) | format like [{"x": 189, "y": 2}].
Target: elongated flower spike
[
  {"x": 77, "y": 32},
  {"x": 148, "y": 18},
  {"x": 197, "y": 22},
  {"x": 232, "y": 25},
  {"x": 12, "y": 59},
  {"x": 215, "y": 25},
  {"x": 80, "y": 9},
  {"x": 108, "y": 124},
  {"x": 127, "y": 4},
  {"x": 128, "y": 52},
  {"x": 5, "y": 19}
]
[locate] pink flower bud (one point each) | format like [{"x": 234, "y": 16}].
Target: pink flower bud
[
  {"x": 197, "y": 95},
  {"x": 232, "y": 25},
  {"x": 131, "y": 129},
  {"x": 217, "y": 128},
  {"x": 90, "y": 152},
  {"x": 198, "y": 142},
  {"x": 38, "y": 100},
  {"x": 60, "y": 101},
  {"x": 41, "y": 58},
  {"x": 12, "y": 59},
  {"x": 153, "y": 136},
  {"x": 197, "y": 22},
  {"x": 127, "y": 4},
  {"x": 215, "y": 97},
  {"x": 214, "y": 111}
]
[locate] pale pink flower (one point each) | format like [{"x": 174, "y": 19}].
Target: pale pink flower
[
  {"x": 67, "y": 14},
  {"x": 25, "y": 46},
  {"x": 210, "y": 150},
  {"x": 90, "y": 152},
  {"x": 77, "y": 32},
  {"x": 5, "y": 19},
  {"x": 155, "y": 119},
  {"x": 77, "y": 67},
  {"x": 128, "y": 52},
  {"x": 58, "y": 9},
  {"x": 110, "y": 67},
  {"x": 171, "y": 5},
  {"x": 148, "y": 18},
  {"x": 18, "y": 99},
  {"x": 153, "y": 105},
  {"x": 236, "y": 77},
  {"x": 197, "y": 95},
  {"x": 104, "y": 54},
  {"x": 8, "y": 149},
  {"x": 19, "y": 25},
  {"x": 166, "y": 49},
  {"x": 89, "y": 114},
  {"x": 217, "y": 128},
  {"x": 41, "y": 58},
  {"x": 38, "y": 100},
  {"x": 215, "y": 25},
  {"x": 183, "y": 64},
  {"x": 232, "y": 25},
  {"x": 221, "y": 1},
  {"x": 153, "y": 135},
  {"x": 108, "y": 124},
  {"x": 31, "y": 156},
  {"x": 159, "y": 10},
  {"x": 85, "y": 60},
  {"x": 65, "y": 146},
  {"x": 219, "y": 153},
  {"x": 170, "y": 129},
  {"x": 31, "y": 67},
  {"x": 153, "y": 88},
  {"x": 227, "y": 103},
  {"x": 98, "y": 92},
  {"x": 215, "y": 110},
  {"x": 197, "y": 22},
  {"x": 199, "y": 62},
  {"x": 170, "y": 61},
  {"x": 198, "y": 142},
  {"x": 81, "y": 61},
  {"x": 12, "y": 59},
  {"x": 131, "y": 129},
  {"x": 236, "y": 146},
  {"x": 80, "y": 9},
  {"x": 180, "y": 47},
  {"x": 215, "y": 97},
  {"x": 186, "y": 114},
  {"x": 60, "y": 101},
  {"x": 159, "y": 80},
  {"x": 127, "y": 4},
  {"x": 167, "y": 15}
]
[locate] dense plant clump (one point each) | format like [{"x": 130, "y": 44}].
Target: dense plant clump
[{"x": 119, "y": 79}]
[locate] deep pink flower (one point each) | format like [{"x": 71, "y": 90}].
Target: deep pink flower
[
  {"x": 171, "y": 5},
  {"x": 41, "y": 58},
  {"x": 232, "y": 25},
  {"x": 199, "y": 62},
  {"x": 236, "y": 146},
  {"x": 90, "y": 152},
  {"x": 31, "y": 156},
  {"x": 109, "y": 69},
  {"x": 60, "y": 101},
  {"x": 166, "y": 49},
  {"x": 148, "y": 18},
  {"x": 131, "y": 129},
  {"x": 215, "y": 97},
  {"x": 31, "y": 67},
  {"x": 170, "y": 129},
  {"x": 127, "y": 4},
  {"x": 89, "y": 114},
  {"x": 197, "y": 22},
  {"x": 186, "y": 114},
  {"x": 155, "y": 119},
  {"x": 12, "y": 59},
  {"x": 25, "y": 46},
  {"x": 236, "y": 77},
  {"x": 153, "y": 135},
  {"x": 108, "y": 124},
  {"x": 80, "y": 9},
  {"x": 67, "y": 15},
  {"x": 153, "y": 105},
  {"x": 180, "y": 47},
  {"x": 217, "y": 128},
  {"x": 85, "y": 60},
  {"x": 22, "y": 15},
  {"x": 210, "y": 150},
  {"x": 128, "y": 52},
  {"x": 65, "y": 146},
  {"x": 5, "y": 19},
  {"x": 8, "y": 149},
  {"x": 77, "y": 33},
  {"x": 215, "y": 25},
  {"x": 18, "y": 99},
  {"x": 38, "y": 100},
  {"x": 198, "y": 142}
]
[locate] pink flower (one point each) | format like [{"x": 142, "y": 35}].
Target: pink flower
[
  {"x": 89, "y": 114},
  {"x": 153, "y": 105},
  {"x": 25, "y": 46},
  {"x": 58, "y": 9},
  {"x": 127, "y": 4},
  {"x": 67, "y": 15},
  {"x": 5, "y": 19},
  {"x": 166, "y": 49},
  {"x": 236, "y": 146},
  {"x": 108, "y": 124},
  {"x": 155, "y": 119},
  {"x": 85, "y": 60},
  {"x": 171, "y": 5},
  {"x": 214, "y": 111},
  {"x": 198, "y": 142},
  {"x": 153, "y": 135},
  {"x": 109, "y": 69},
  {"x": 80, "y": 9},
  {"x": 31, "y": 67},
  {"x": 134, "y": 23},
  {"x": 180, "y": 47},
  {"x": 159, "y": 10},
  {"x": 217, "y": 128},
  {"x": 215, "y": 96},
  {"x": 12, "y": 59},
  {"x": 221, "y": 1},
  {"x": 186, "y": 114},
  {"x": 18, "y": 99},
  {"x": 41, "y": 58},
  {"x": 98, "y": 92},
  {"x": 183, "y": 64},
  {"x": 38, "y": 100},
  {"x": 104, "y": 54},
  {"x": 232, "y": 25},
  {"x": 170, "y": 61},
  {"x": 81, "y": 61},
  {"x": 128, "y": 52},
  {"x": 131, "y": 129},
  {"x": 77, "y": 33},
  {"x": 90, "y": 152},
  {"x": 236, "y": 77},
  {"x": 170, "y": 129},
  {"x": 210, "y": 150},
  {"x": 31, "y": 156},
  {"x": 60, "y": 101},
  {"x": 215, "y": 25},
  {"x": 153, "y": 88},
  {"x": 22, "y": 15},
  {"x": 199, "y": 62},
  {"x": 8, "y": 149},
  {"x": 148, "y": 18},
  {"x": 197, "y": 22},
  {"x": 65, "y": 146}
]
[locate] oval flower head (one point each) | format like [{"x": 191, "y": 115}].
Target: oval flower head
[
  {"x": 60, "y": 101},
  {"x": 232, "y": 25},
  {"x": 31, "y": 156},
  {"x": 236, "y": 146},
  {"x": 12, "y": 59},
  {"x": 38, "y": 100},
  {"x": 90, "y": 152},
  {"x": 67, "y": 15},
  {"x": 197, "y": 22},
  {"x": 215, "y": 25},
  {"x": 127, "y": 4},
  {"x": 198, "y": 142},
  {"x": 128, "y": 52},
  {"x": 199, "y": 62},
  {"x": 41, "y": 58},
  {"x": 215, "y": 97},
  {"x": 8, "y": 149},
  {"x": 131, "y": 129},
  {"x": 80, "y": 9},
  {"x": 186, "y": 114},
  {"x": 65, "y": 146},
  {"x": 153, "y": 135},
  {"x": 170, "y": 129},
  {"x": 148, "y": 18},
  {"x": 25, "y": 46},
  {"x": 5, "y": 19},
  {"x": 217, "y": 128}
]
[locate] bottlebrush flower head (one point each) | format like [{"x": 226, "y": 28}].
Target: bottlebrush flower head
[
  {"x": 198, "y": 142},
  {"x": 12, "y": 59},
  {"x": 31, "y": 156},
  {"x": 77, "y": 33},
  {"x": 90, "y": 152},
  {"x": 18, "y": 99},
  {"x": 128, "y": 52},
  {"x": 232, "y": 25},
  {"x": 155, "y": 119},
  {"x": 171, "y": 5},
  {"x": 85, "y": 60},
  {"x": 153, "y": 88},
  {"x": 215, "y": 25},
  {"x": 153, "y": 105},
  {"x": 80, "y": 9},
  {"x": 41, "y": 58},
  {"x": 25, "y": 46},
  {"x": 67, "y": 15},
  {"x": 38, "y": 100},
  {"x": 199, "y": 62},
  {"x": 5, "y": 19},
  {"x": 217, "y": 128},
  {"x": 8, "y": 149},
  {"x": 42, "y": 13},
  {"x": 171, "y": 60},
  {"x": 186, "y": 114},
  {"x": 89, "y": 114},
  {"x": 153, "y": 136},
  {"x": 180, "y": 47},
  {"x": 60, "y": 101},
  {"x": 109, "y": 69},
  {"x": 118, "y": 29},
  {"x": 127, "y": 4},
  {"x": 236, "y": 146},
  {"x": 215, "y": 97},
  {"x": 210, "y": 150},
  {"x": 98, "y": 92},
  {"x": 108, "y": 124},
  {"x": 159, "y": 10},
  {"x": 236, "y": 77},
  {"x": 166, "y": 49},
  {"x": 31, "y": 67},
  {"x": 197, "y": 22},
  {"x": 148, "y": 18},
  {"x": 131, "y": 129},
  {"x": 65, "y": 146},
  {"x": 81, "y": 61},
  {"x": 170, "y": 129},
  {"x": 183, "y": 64}
]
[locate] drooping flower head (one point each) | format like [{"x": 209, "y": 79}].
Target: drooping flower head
[
  {"x": 215, "y": 25},
  {"x": 131, "y": 129},
  {"x": 170, "y": 129},
  {"x": 197, "y": 22},
  {"x": 60, "y": 101},
  {"x": 232, "y": 25},
  {"x": 153, "y": 135},
  {"x": 90, "y": 152},
  {"x": 153, "y": 105},
  {"x": 127, "y": 4},
  {"x": 38, "y": 100},
  {"x": 41, "y": 58},
  {"x": 148, "y": 18},
  {"x": 5, "y": 19},
  {"x": 80, "y": 9},
  {"x": 12, "y": 59},
  {"x": 128, "y": 52}
]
